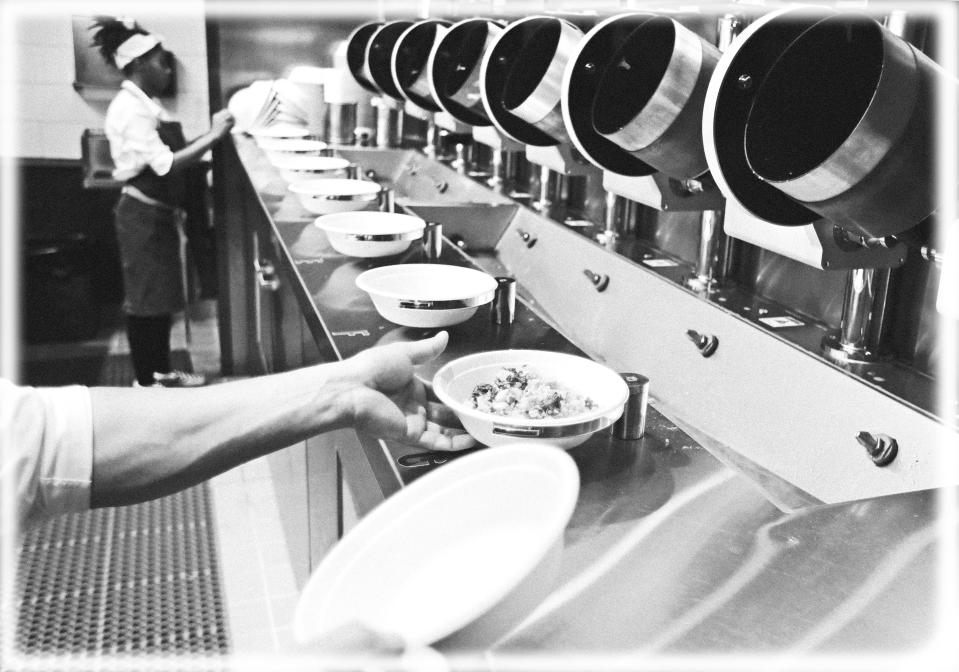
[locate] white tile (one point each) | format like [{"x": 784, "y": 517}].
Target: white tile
[
  {"x": 50, "y": 29},
  {"x": 27, "y": 141},
  {"x": 61, "y": 140},
  {"x": 45, "y": 64},
  {"x": 46, "y": 102}
]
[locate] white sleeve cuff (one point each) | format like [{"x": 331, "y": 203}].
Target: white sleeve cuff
[
  {"x": 66, "y": 463},
  {"x": 162, "y": 162}
]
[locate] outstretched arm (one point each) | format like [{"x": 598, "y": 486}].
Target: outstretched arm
[
  {"x": 190, "y": 155},
  {"x": 151, "y": 442}
]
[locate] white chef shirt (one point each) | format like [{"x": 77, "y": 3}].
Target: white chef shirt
[
  {"x": 46, "y": 450},
  {"x": 131, "y": 127}
]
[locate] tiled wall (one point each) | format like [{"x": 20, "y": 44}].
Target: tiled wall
[{"x": 50, "y": 115}]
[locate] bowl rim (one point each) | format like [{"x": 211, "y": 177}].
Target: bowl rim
[
  {"x": 291, "y": 145},
  {"x": 368, "y": 193},
  {"x": 515, "y": 455},
  {"x": 287, "y": 131},
  {"x": 299, "y": 162},
  {"x": 395, "y": 225},
  {"x": 472, "y": 299},
  {"x": 591, "y": 421}
]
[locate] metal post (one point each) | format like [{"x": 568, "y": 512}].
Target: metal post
[
  {"x": 863, "y": 323},
  {"x": 715, "y": 247}
]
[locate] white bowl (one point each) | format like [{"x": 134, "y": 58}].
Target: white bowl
[
  {"x": 469, "y": 548},
  {"x": 278, "y": 148},
  {"x": 454, "y": 383},
  {"x": 323, "y": 196},
  {"x": 427, "y": 295},
  {"x": 278, "y": 131},
  {"x": 296, "y": 168},
  {"x": 371, "y": 234}
]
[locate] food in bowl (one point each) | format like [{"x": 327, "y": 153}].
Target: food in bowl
[
  {"x": 519, "y": 392},
  {"x": 455, "y": 382}
]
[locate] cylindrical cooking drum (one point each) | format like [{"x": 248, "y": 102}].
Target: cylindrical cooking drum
[
  {"x": 842, "y": 123},
  {"x": 379, "y": 57},
  {"x": 411, "y": 55},
  {"x": 356, "y": 45},
  {"x": 455, "y": 66},
  {"x": 650, "y": 99},
  {"x": 532, "y": 90}
]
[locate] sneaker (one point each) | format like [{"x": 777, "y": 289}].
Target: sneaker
[{"x": 179, "y": 379}]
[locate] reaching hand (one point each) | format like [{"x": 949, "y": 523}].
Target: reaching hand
[
  {"x": 221, "y": 123},
  {"x": 392, "y": 403}
]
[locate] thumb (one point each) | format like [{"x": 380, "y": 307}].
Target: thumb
[{"x": 423, "y": 351}]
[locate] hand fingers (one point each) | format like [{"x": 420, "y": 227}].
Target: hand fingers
[
  {"x": 424, "y": 350},
  {"x": 444, "y": 439}
]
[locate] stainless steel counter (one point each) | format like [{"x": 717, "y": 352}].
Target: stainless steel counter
[{"x": 673, "y": 549}]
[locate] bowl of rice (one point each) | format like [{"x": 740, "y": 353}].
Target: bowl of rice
[{"x": 535, "y": 395}]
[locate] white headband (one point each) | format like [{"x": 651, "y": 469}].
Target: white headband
[{"x": 134, "y": 46}]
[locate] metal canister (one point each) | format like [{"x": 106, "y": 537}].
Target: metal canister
[{"x": 632, "y": 424}]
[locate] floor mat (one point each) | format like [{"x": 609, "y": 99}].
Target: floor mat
[{"x": 131, "y": 581}]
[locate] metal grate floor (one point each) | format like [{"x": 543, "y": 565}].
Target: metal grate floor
[{"x": 130, "y": 581}]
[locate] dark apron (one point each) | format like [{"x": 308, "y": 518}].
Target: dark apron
[{"x": 149, "y": 237}]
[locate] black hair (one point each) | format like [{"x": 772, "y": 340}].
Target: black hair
[{"x": 109, "y": 33}]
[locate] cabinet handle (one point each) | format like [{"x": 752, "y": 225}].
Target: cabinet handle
[{"x": 266, "y": 274}]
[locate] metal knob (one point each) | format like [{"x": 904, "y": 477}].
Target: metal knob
[
  {"x": 881, "y": 448},
  {"x": 599, "y": 280},
  {"x": 705, "y": 343},
  {"x": 529, "y": 239}
]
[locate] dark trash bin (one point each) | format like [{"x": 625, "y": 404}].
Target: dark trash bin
[{"x": 58, "y": 298}]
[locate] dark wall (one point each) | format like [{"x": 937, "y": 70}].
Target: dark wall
[
  {"x": 70, "y": 263},
  {"x": 56, "y": 209}
]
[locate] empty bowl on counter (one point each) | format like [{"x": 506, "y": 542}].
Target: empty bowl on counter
[
  {"x": 325, "y": 195},
  {"x": 277, "y": 148},
  {"x": 586, "y": 396},
  {"x": 427, "y": 295},
  {"x": 296, "y": 168},
  {"x": 466, "y": 551},
  {"x": 371, "y": 234},
  {"x": 278, "y": 131}
]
